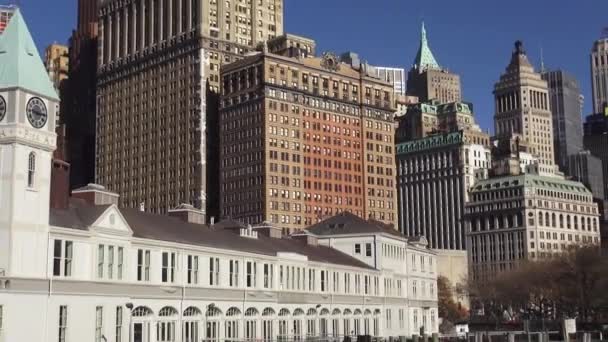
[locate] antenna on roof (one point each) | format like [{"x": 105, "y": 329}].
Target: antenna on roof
[{"x": 542, "y": 60}]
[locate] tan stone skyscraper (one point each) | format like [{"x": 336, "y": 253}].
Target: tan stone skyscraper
[
  {"x": 522, "y": 109},
  {"x": 599, "y": 73},
  {"x": 159, "y": 64},
  {"x": 305, "y": 138},
  {"x": 428, "y": 81},
  {"x": 56, "y": 62}
]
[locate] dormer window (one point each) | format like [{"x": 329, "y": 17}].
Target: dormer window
[{"x": 31, "y": 170}]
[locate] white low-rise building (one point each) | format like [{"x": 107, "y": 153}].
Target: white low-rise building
[{"x": 86, "y": 270}]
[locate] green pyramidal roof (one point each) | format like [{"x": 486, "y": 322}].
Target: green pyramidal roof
[
  {"x": 424, "y": 57},
  {"x": 20, "y": 63}
]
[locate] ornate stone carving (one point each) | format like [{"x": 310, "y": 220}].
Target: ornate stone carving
[{"x": 330, "y": 61}]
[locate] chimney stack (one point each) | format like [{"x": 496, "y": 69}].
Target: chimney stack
[
  {"x": 60, "y": 184},
  {"x": 95, "y": 194},
  {"x": 188, "y": 213}
]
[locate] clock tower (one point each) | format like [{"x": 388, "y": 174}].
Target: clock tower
[{"x": 28, "y": 108}]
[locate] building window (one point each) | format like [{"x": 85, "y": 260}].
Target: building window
[
  {"x": 357, "y": 248},
  {"x": 168, "y": 267},
  {"x": 214, "y": 271},
  {"x": 100, "y": 261},
  {"x": 63, "y": 322},
  {"x": 62, "y": 258},
  {"x": 323, "y": 281},
  {"x": 110, "y": 262},
  {"x": 99, "y": 324},
  {"x": 268, "y": 275},
  {"x": 119, "y": 263},
  {"x": 1, "y": 319},
  {"x": 311, "y": 280},
  {"x": 251, "y": 273},
  {"x": 192, "y": 269},
  {"x": 368, "y": 249},
  {"x": 31, "y": 170},
  {"x": 119, "y": 324},
  {"x": 234, "y": 273},
  {"x": 143, "y": 265}
]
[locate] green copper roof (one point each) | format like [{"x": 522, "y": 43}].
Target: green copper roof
[
  {"x": 424, "y": 57},
  {"x": 531, "y": 180},
  {"x": 20, "y": 63},
  {"x": 427, "y": 143}
]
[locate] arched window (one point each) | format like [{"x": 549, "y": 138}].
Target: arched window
[
  {"x": 141, "y": 311},
  {"x": 165, "y": 329},
  {"x": 213, "y": 311},
  {"x": 540, "y": 219},
  {"x": 233, "y": 312},
  {"x": 251, "y": 312},
  {"x": 553, "y": 221},
  {"x": 311, "y": 312},
  {"x": 268, "y": 312},
  {"x": 31, "y": 170},
  {"x": 284, "y": 312},
  {"x": 192, "y": 311},
  {"x": 547, "y": 222},
  {"x": 167, "y": 311}
]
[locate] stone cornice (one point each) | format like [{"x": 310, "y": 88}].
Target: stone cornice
[{"x": 17, "y": 134}]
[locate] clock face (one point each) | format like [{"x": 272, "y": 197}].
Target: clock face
[
  {"x": 36, "y": 112},
  {"x": 2, "y": 108}
]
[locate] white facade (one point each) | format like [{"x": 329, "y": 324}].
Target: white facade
[{"x": 214, "y": 293}]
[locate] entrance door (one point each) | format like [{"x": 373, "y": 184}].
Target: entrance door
[
  {"x": 138, "y": 332},
  {"x": 212, "y": 330},
  {"x": 283, "y": 330},
  {"x": 250, "y": 329},
  {"x": 190, "y": 332},
  {"x": 267, "y": 330}
]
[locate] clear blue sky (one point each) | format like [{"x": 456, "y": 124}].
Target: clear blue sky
[{"x": 471, "y": 37}]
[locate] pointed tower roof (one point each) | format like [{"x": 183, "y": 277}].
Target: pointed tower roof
[
  {"x": 20, "y": 63},
  {"x": 424, "y": 57},
  {"x": 519, "y": 59}
]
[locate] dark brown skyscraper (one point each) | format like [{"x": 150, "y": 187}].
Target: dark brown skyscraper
[{"x": 78, "y": 99}]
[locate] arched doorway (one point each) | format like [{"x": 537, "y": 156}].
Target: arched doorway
[
  {"x": 141, "y": 318},
  {"x": 297, "y": 324},
  {"x": 165, "y": 327},
  {"x": 268, "y": 316},
  {"x": 213, "y": 316},
  {"x": 192, "y": 317},
  {"x": 233, "y": 317},
  {"x": 251, "y": 323},
  {"x": 323, "y": 332},
  {"x": 283, "y": 325}
]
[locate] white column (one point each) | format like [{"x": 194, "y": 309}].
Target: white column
[
  {"x": 133, "y": 22},
  {"x": 179, "y": 10},
  {"x": 116, "y": 40},
  {"x": 161, "y": 20},
  {"x": 170, "y": 19},
  {"x": 189, "y": 15},
  {"x": 124, "y": 51},
  {"x": 142, "y": 27},
  {"x": 110, "y": 38},
  {"x": 151, "y": 16}
]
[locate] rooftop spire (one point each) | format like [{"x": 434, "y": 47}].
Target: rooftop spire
[
  {"x": 424, "y": 57},
  {"x": 20, "y": 63}
]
